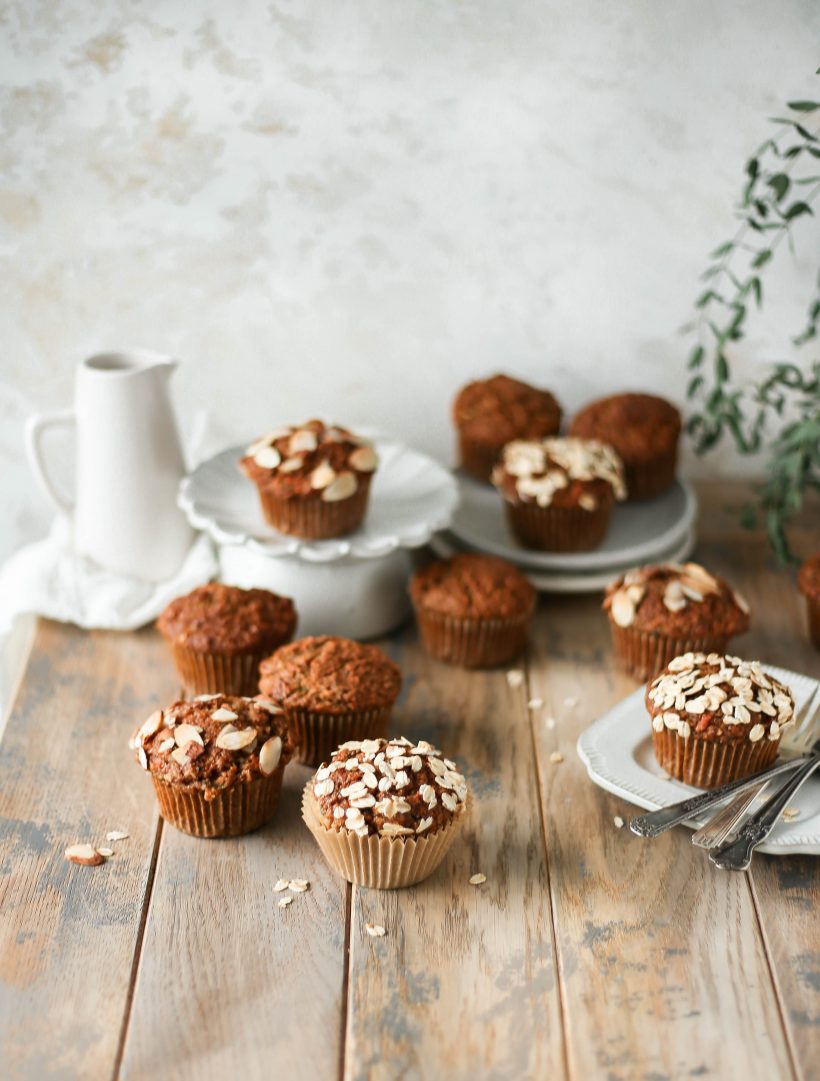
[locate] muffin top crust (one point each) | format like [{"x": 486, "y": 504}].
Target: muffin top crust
[
  {"x": 330, "y": 675},
  {"x": 393, "y": 788},
  {"x": 678, "y": 599},
  {"x": 213, "y": 742},
  {"x": 217, "y": 618},
  {"x": 638, "y": 426},
  {"x": 719, "y": 698},
  {"x": 808, "y": 577},
  {"x": 496, "y": 410},
  {"x": 316, "y": 459},
  {"x": 560, "y": 472},
  {"x": 473, "y": 586}
]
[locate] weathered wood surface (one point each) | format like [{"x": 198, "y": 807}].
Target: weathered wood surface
[{"x": 587, "y": 954}]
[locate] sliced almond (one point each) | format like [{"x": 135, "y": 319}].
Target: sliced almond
[
  {"x": 269, "y": 458},
  {"x": 741, "y": 602},
  {"x": 364, "y": 459},
  {"x": 187, "y": 733},
  {"x": 271, "y": 707},
  {"x": 270, "y": 754},
  {"x": 167, "y": 745},
  {"x": 587, "y": 502},
  {"x": 180, "y": 757},
  {"x": 290, "y": 465},
  {"x": 151, "y": 726},
  {"x": 85, "y": 855},
  {"x": 323, "y": 475},
  {"x": 143, "y": 758},
  {"x": 343, "y": 487},
  {"x": 622, "y": 608},
  {"x": 237, "y": 740},
  {"x": 304, "y": 439},
  {"x": 221, "y": 715}
]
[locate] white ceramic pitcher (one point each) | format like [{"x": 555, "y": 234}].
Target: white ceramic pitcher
[{"x": 129, "y": 465}]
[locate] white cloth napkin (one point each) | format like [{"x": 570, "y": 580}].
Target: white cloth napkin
[{"x": 51, "y": 579}]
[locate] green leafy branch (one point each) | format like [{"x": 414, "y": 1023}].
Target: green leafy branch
[{"x": 781, "y": 184}]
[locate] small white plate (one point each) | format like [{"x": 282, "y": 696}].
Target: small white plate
[
  {"x": 617, "y": 752},
  {"x": 444, "y": 544},
  {"x": 639, "y": 532},
  {"x": 411, "y": 498}
]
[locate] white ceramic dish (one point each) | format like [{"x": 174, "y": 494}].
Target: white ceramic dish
[
  {"x": 617, "y": 752},
  {"x": 638, "y": 534},
  {"x": 411, "y": 498},
  {"x": 445, "y": 545}
]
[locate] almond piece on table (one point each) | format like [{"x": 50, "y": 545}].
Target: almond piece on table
[{"x": 85, "y": 855}]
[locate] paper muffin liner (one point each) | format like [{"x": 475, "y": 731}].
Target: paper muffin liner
[
  {"x": 239, "y": 809},
  {"x": 311, "y": 517},
  {"x": 559, "y": 529},
  {"x": 381, "y": 863},
  {"x": 219, "y": 673},
  {"x": 642, "y": 654},
  {"x": 317, "y": 735},
  {"x": 645, "y": 480},
  {"x": 705, "y": 763},
  {"x": 473, "y": 643},
  {"x": 813, "y": 612},
  {"x": 477, "y": 459}
]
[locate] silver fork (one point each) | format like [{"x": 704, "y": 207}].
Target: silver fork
[{"x": 722, "y": 825}]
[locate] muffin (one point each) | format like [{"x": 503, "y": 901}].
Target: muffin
[
  {"x": 473, "y": 610},
  {"x": 559, "y": 493},
  {"x": 716, "y": 719},
  {"x": 216, "y": 763},
  {"x": 385, "y": 813},
  {"x": 313, "y": 481},
  {"x": 808, "y": 582},
  {"x": 218, "y": 636},
  {"x": 331, "y": 690},
  {"x": 491, "y": 412},
  {"x": 644, "y": 430},
  {"x": 660, "y": 611}
]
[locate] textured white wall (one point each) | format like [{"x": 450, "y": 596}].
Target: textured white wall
[{"x": 348, "y": 209}]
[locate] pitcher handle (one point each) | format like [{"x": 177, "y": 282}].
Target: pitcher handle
[{"x": 36, "y": 427}]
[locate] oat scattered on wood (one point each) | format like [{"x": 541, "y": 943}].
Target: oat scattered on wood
[
  {"x": 535, "y": 703},
  {"x": 556, "y": 757},
  {"x": 477, "y": 879},
  {"x": 375, "y": 930},
  {"x": 116, "y": 835},
  {"x": 619, "y": 822},
  {"x": 283, "y": 902},
  {"x": 515, "y": 678},
  {"x": 281, "y": 884},
  {"x": 790, "y": 814},
  {"x": 299, "y": 885}
]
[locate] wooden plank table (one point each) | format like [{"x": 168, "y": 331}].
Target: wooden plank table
[{"x": 588, "y": 953}]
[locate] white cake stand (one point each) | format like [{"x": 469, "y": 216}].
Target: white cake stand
[{"x": 355, "y": 585}]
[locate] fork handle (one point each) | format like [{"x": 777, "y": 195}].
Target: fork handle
[
  {"x": 737, "y": 855},
  {"x": 722, "y": 823},
  {"x": 656, "y": 822}
]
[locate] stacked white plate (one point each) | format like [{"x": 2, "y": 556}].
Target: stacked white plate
[{"x": 655, "y": 530}]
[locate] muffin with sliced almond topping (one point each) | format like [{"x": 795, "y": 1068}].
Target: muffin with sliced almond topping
[
  {"x": 385, "y": 812},
  {"x": 331, "y": 689},
  {"x": 313, "y": 481},
  {"x": 216, "y": 762},
  {"x": 662, "y": 610},
  {"x": 218, "y": 636},
  {"x": 808, "y": 582},
  {"x": 559, "y": 493},
  {"x": 716, "y": 718}
]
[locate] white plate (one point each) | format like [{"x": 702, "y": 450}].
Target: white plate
[
  {"x": 637, "y": 534},
  {"x": 411, "y": 497},
  {"x": 617, "y": 752},
  {"x": 444, "y": 544}
]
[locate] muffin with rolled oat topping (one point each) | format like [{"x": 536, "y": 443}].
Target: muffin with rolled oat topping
[
  {"x": 559, "y": 493},
  {"x": 385, "y": 812},
  {"x": 662, "y": 610},
  {"x": 716, "y": 718},
  {"x": 218, "y": 636},
  {"x": 216, "y": 762},
  {"x": 331, "y": 690},
  {"x": 313, "y": 481}
]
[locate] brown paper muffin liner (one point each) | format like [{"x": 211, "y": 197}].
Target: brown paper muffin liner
[
  {"x": 813, "y": 611},
  {"x": 311, "y": 517},
  {"x": 317, "y": 735},
  {"x": 477, "y": 459},
  {"x": 645, "y": 480},
  {"x": 558, "y": 529},
  {"x": 239, "y": 809},
  {"x": 642, "y": 654},
  {"x": 705, "y": 763},
  {"x": 380, "y": 863},
  {"x": 473, "y": 643},
  {"x": 218, "y": 673}
]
